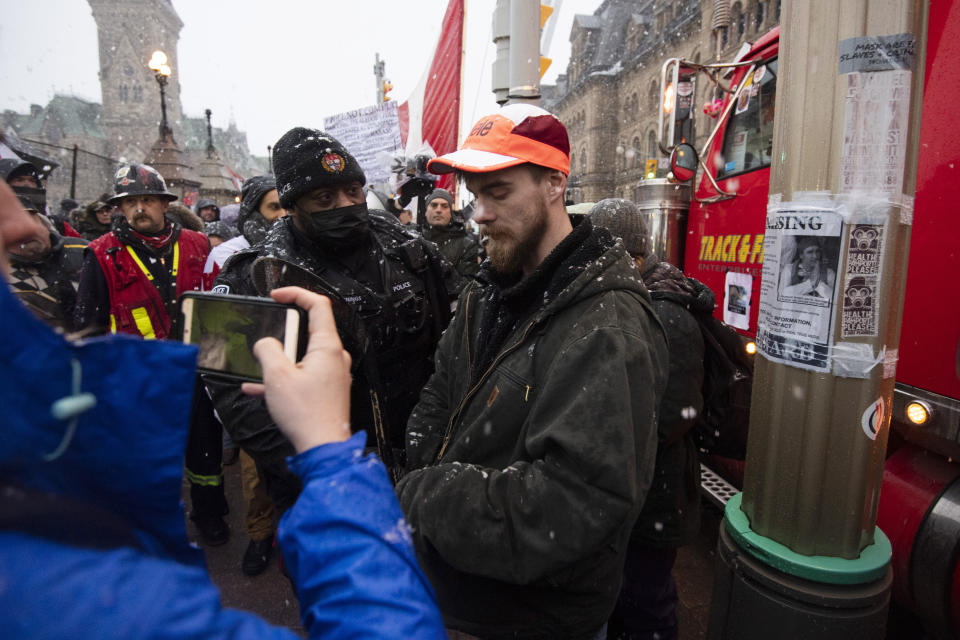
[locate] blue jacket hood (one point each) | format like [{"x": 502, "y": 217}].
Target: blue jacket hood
[{"x": 123, "y": 454}]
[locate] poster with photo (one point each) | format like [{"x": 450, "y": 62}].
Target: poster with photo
[
  {"x": 737, "y": 289},
  {"x": 799, "y": 286}
]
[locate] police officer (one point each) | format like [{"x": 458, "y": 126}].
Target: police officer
[
  {"x": 131, "y": 280},
  {"x": 387, "y": 282}
]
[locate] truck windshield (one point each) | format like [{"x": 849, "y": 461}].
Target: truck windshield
[{"x": 748, "y": 141}]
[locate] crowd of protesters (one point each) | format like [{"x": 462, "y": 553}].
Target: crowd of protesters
[{"x": 488, "y": 437}]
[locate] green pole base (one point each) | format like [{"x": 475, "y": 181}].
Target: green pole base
[{"x": 870, "y": 566}]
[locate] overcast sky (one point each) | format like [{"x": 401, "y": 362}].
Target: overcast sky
[{"x": 268, "y": 66}]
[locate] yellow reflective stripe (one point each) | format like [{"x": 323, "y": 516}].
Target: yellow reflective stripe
[
  {"x": 113, "y": 324},
  {"x": 176, "y": 258},
  {"x": 74, "y": 246},
  {"x": 136, "y": 258},
  {"x": 205, "y": 481},
  {"x": 144, "y": 326}
]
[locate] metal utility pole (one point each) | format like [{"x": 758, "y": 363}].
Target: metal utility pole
[
  {"x": 525, "y": 51},
  {"x": 500, "y": 73},
  {"x": 800, "y": 547},
  {"x": 516, "y": 70},
  {"x": 378, "y": 73},
  {"x": 211, "y": 150},
  {"x": 73, "y": 174}
]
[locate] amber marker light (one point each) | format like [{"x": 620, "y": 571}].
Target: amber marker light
[
  {"x": 918, "y": 412},
  {"x": 669, "y": 96},
  {"x": 750, "y": 347}
]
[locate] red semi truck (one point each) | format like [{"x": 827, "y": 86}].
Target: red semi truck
[{"x": 723, "y": 246}]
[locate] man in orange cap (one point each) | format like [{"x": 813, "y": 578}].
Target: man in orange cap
[{"x": 532, "y": 447}]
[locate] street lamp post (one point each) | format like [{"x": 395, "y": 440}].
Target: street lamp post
[
  {"x": 161, "y": 71},
  {"x": 164, "y": 155},
  {"x": 211, "y": 151}
]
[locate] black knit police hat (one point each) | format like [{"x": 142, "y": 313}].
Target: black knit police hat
[{"x": 308, "y": 159}]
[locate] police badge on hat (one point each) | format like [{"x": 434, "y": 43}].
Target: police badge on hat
[{"x": 332, "y": 162}]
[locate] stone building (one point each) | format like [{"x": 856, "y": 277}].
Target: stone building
[
  {"x": 125, "y": 125},
  {"x": 609, "y": 97},
  {"x": 128, "y": 33},
  {"x": 67, "y": 121}
]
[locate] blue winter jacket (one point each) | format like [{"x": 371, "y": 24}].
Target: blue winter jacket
[{"x": 345, "y": 541}]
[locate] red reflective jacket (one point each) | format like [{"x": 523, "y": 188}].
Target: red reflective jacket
[{"x": 136, "y": 306}]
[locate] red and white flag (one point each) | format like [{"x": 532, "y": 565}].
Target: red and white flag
[
  {"x": 235, "y": 177},
  {"x": 431, "y": 114}
]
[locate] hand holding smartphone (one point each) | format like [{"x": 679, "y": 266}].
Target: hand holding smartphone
[
  {"x": 309, "y": 401},
  {"x": 224, "y": 328}
]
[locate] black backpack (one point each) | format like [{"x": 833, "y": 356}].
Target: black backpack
[{"x": 721, "y": 427}]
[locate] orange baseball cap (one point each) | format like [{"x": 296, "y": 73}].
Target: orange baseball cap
[{"x": 516, "y": 134}]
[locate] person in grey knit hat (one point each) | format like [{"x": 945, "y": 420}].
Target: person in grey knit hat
[
  {"x": 218, "y": 232},
  {"x": 624, "y": 219},
  {"x": 443, "y": 194},
  {"x": 670, "y": 517},
  {"x": 445, "y": 229}
]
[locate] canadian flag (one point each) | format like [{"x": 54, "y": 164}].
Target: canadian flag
[{"x": 431, "y": 114}]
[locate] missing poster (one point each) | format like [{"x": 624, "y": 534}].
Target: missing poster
[
  {"x": 799, "y": 286},
  {"x": 737, "y": 290}
]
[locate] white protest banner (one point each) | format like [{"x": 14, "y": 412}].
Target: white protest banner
[{"x": 365, "y": 133}]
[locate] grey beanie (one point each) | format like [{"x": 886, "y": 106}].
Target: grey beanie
[
  {"x": 220, "y": 229},
  {"x": 441, "y": 193},
  {"x": 623, "y": 219}
]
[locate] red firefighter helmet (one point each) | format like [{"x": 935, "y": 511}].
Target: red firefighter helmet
[{"x": 139, "y": 180}]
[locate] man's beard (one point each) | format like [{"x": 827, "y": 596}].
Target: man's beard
[{"x": 506, "y": 251}]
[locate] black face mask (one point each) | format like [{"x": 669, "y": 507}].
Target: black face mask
[{"x": 336, "y": 229}]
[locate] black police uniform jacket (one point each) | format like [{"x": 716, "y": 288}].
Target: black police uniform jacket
[
  {"x": 402, "y": 316},
  {"x": 533, "y": 444}
]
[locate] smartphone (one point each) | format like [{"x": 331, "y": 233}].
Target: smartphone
[{"x": 224, "y": 329}]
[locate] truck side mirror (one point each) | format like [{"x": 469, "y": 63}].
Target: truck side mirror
[{"x": 683, "y": 162}]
